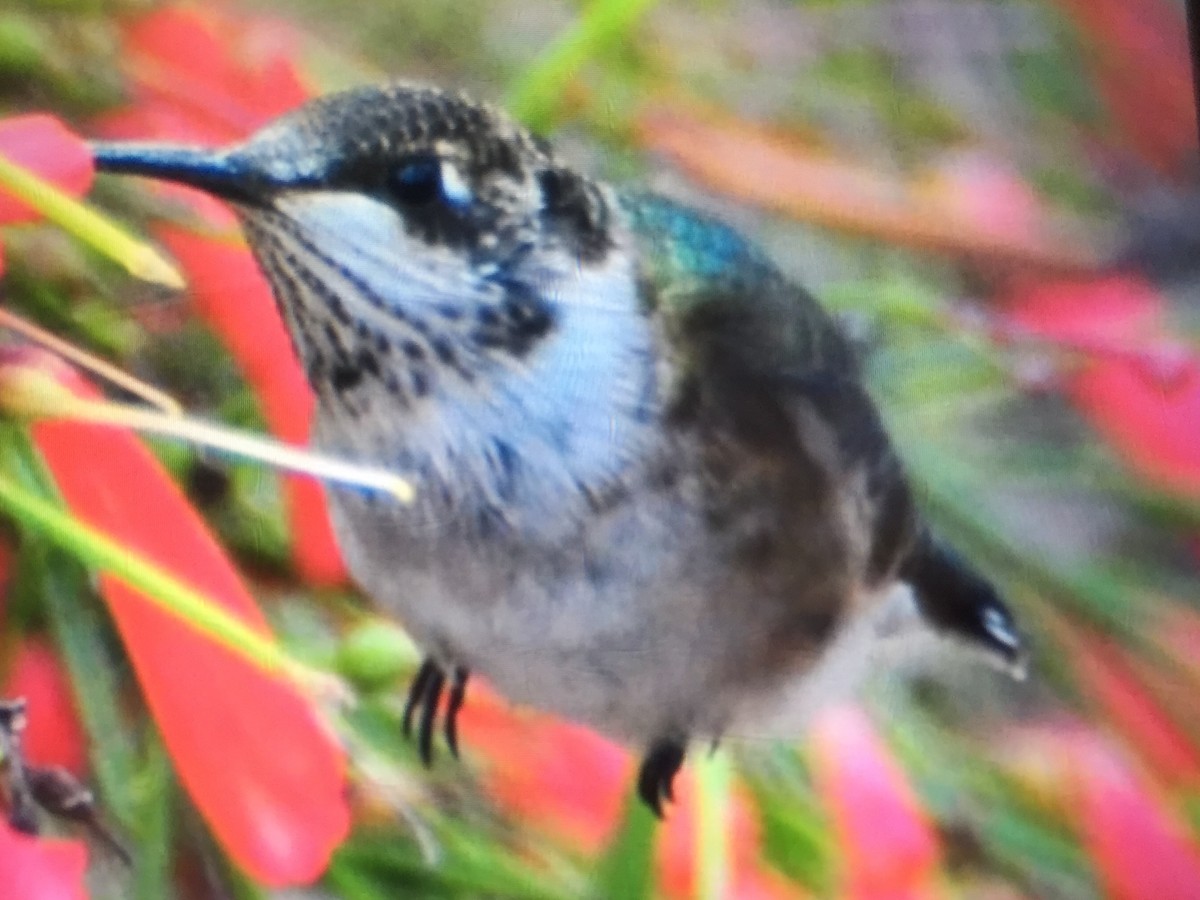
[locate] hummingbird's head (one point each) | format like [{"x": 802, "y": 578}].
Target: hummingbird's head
[{"x": 412, "y": 236}]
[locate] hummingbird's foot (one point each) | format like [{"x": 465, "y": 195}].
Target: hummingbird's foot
[
  {"x": 458, "y": 693},
  {"x": 657, "y": 774},
  {"x": 424, "y": 696}
]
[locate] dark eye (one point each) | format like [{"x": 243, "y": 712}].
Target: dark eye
[{"x": 417, "y": 181}]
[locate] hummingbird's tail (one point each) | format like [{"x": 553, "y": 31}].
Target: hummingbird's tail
[{"x": 957, "y": 600}]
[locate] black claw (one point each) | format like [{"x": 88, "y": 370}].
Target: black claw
[
  {"x": 416, "y": 694},
  {"x": 424, "y": 696},
  {"x": 657, "y": 775},
  {"x": 458, "y": 692},
  {"x": 433, "y": 694}
]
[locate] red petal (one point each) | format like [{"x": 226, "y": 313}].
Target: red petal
[
  {"x": 315, "y": 552},
  {"x": 153, "y": 117},
  {"x": 888, "y": 847},
  {"x": 534, "y": 764},
  {"x": 1154, "y": 423},
  {"x": 205, "y": 76},
  {"x": 1139, "y": 56},
  {"x": 232, "y": 296},
  {"x": 763, "y": 884},
  {"x": 1116, "y": 308},
  {"x": 45, "y": 146},
  {"x": 1138, "y": 846},
  {"x": 41, "y": 868},
  {"x": 1139, "y": 390},
  {"x": 1166, "y": 749},
  {"x": 224, "y": 73},
  {"x": 54, "y": 735},
  {"x": 249, "y": 748}
]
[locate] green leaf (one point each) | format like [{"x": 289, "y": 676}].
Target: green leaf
[
  {"x": 37, "y": 515},
  {"x": 627, "y": 868},
  {"x": 797, "y": 836},
  {"x": 157, "y": 796}
]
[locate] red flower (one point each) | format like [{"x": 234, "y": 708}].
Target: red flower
[
  {"x": 207, "y": 77},
  {"x": 249, "y": 748},
  {"x": 210, "y": 75},
  {"x": 571, "y": 783},
  {"x": 1105, "y": 673},
  {"x": 560, "y": 777},
  {"x": 43, "y": 145},
  {"x": 889, "y": 849},
  {"x": 1153, "y": 423},
  {"x": 1136, "y": 386},
  {"x": 1137, "y": 844},
  {"x": 1120, "y": 308},
  {"x": 53, "y": 735},
  {"x": 232, "y": 296},
  {"x": 1139, "y": 58},
  {"x": 41, "y": 868}
]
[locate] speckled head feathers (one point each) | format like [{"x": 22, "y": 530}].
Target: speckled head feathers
[{"x": 459, "y": 172}]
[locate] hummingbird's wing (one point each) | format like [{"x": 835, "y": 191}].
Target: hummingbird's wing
[
  {"x": 766, "y": 367},
  {"x": 872, "y": 474},
  {"x": 771, "y": 371}
]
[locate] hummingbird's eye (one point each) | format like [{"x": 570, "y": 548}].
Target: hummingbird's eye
[
  {"x": 417, "y": 181},
  {"x": 420, "y": 180}
]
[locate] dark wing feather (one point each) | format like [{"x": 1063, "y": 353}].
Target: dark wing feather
[
  {"x": 771, "y": 363},
  {"x": 761, "y": 357}
]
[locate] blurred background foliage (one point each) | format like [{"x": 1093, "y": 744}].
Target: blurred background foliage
[{"x": 999, "y": 196}]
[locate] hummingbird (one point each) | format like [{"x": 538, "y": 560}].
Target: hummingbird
[{"x": 653, "y": 490}]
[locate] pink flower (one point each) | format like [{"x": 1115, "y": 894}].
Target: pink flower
[
  {"x": 1140, "y": 849},
  {"x": 1136, "y": 386},
  {"x": 40, "y": 868},
  {"x": 46, "y": 147},
  {"x": 889, "y": 848}
]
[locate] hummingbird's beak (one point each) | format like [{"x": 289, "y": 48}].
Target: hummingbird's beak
[{"x": 221, "y": 173}]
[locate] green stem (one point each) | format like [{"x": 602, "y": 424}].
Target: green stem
[
  {"x": 535, "y": 95},
  {"x": 140, "y": 259},
  {"x": 156, "y": 585},
  {"x": 714, "y": 778}
]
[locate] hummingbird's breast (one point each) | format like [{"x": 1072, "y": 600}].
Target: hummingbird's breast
[{"x": 574, "y": 539}]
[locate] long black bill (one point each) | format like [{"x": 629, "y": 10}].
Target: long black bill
[{"x": 217, "y": 172}]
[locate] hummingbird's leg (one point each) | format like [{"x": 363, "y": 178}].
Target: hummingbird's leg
[
  {"x": 458, "y": 691},
  {"x": 657, "y": 774},
  {"x": 433, "y": 693},
  {"x": 416, "y": 693}
]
